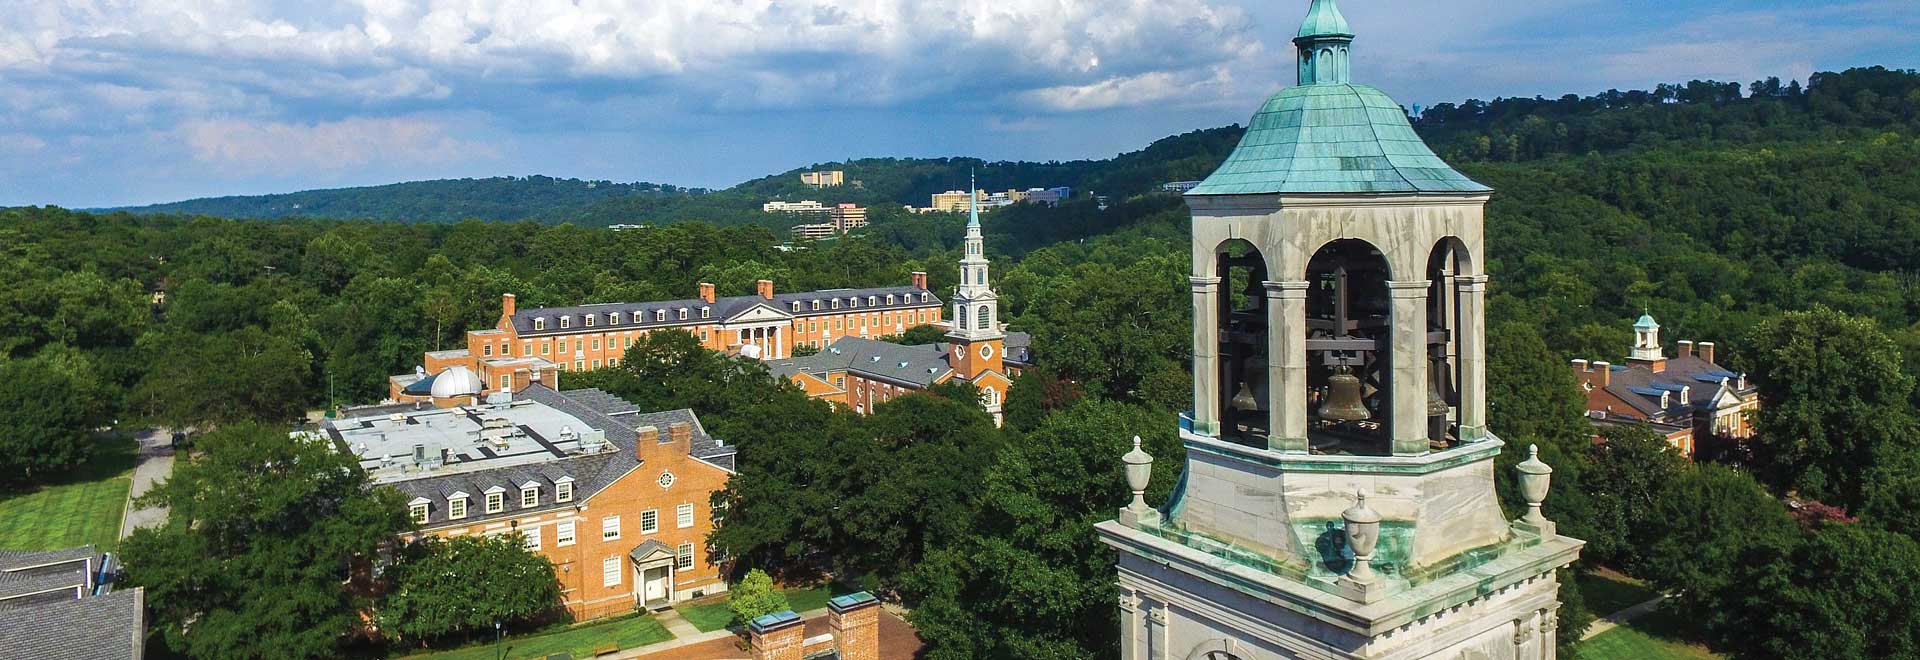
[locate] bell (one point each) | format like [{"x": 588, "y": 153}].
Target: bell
[
  {"x": 1436, "y": 404},
  {"x": 1344, "y": 402},
  {"x": 1243, "y": 400}
]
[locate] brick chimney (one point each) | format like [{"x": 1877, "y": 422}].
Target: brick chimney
[
  {"x": 706, "y": 292},
  {"x": 1706, "y": 350},
  {"x": 506, "y": 304},
  {"x": 1603, "y": 373},
  {"x": 919, "y": 279},
  {"x": 778, "y": 636},
  {"x": 680, "y": 433},
  {"x": 854, "y": 620},
  {"x": 645, "y": 438},
  {"x": 765, "y": 287}
]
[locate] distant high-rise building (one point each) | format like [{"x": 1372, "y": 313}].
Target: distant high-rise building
[
  {"x": 955, "y": 201},
  {"x": 827, "y": 179}
]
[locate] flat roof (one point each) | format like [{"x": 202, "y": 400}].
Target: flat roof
[{"x": 405, "y": 445}]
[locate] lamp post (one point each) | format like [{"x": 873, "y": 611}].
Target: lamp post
[{"x": 497, "y": 653}]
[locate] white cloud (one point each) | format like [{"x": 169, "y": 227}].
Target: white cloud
[{"x": 250, "y": 146}]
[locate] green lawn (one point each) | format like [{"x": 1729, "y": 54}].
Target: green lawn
[
  {"x": 630, "y": 632},
  {"x": 83, "y": 508},
  {"x": 1610, "y": 592},
  {"x": 715, "y": 615},
  {"x": 1631, "y": 642}
]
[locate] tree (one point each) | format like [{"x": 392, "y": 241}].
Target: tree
[
  {"x": 249, "y": 374},
  {"x": 1835, "y": 407},
  {"x": 262, "y": 535},
  {"x": 912, "y": 477},
  {"x": 443, "y": 587},
  {"x": 755, "y": 597},
  {"x": 918, "y": 336},
  {"x": 49, "y": 407},
  {"x": 1844, "y": 592},
  {"x": 1630, "y": 469},
  {"x": 1708, "y": 527}
]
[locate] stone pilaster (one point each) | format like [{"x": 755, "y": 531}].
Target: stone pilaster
[
  {"x": 1407, "y": 372},
  {"x": 1206, "y": 355},
  {"x": 1471, "y": 340},
  {"x": 1287, "y": 365},
  {"x": 1129, "y": 625}
]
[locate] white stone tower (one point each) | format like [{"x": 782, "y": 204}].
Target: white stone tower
[
  {"x": 976, "y": 338},
  {"x": 1338, "y": 498}
]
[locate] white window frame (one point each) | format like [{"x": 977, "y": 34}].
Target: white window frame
[
  {"x": 683, "y": 515},
  {"x": 683, "y": 313},
  {"x": 610, "y": 570},
  {"x": 706, "y": 312},
  {"x": 610, "y": 528},
  {"x": 563, "y": 490},
  {"x": 566, "y": 322},
  {"x": 639, "y": 317},
  {"x": 456, "y": 507},
  {"x": 683, "y": 557},
  {"x": 533, "y": 537},
  {"x": 590, "y": 318},
  {"x": 563, "y": 534},
  {"x": 496, "y": 501},
  {"x": 540, "y": 323},
  {"x": 816, "y": 305},
  {"x": 419, "y": 512},
  {"x": 529, "y": 494},
  {"x": 650, "y": 521}
]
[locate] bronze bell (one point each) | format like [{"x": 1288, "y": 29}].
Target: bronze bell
[
  {"x": 1344, "y": 397},
  {"x": 1436, "y": 404},
  {"x": 1243, "y": 400}
]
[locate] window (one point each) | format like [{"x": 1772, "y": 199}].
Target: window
[
  {"x": 563, "y": 491},
  {"x": 796, "y": 305},
  {"x": 419, "y": 512},
  {"x": 743, "y": 336},
  {"x": 609, "y": 528},
  {"x": 637, "y": 318},
  {"x": 496, "y": 502},
  {"x": 529, "y": 498},
  {"x": 486, "y": 349},
  {"x": 613, "y": 318},
  {"x": 540, "y": 324},
  {"x": 853, "y": 303},
  {"x": 579, "y": 365},
  {"x": 610, "y": 572},
  {"x": 684, "y": 516},
  {"x": 596, "y": 364},
  {"x": 563, "y": 347},
  {"x": 566, "y": 321},
  {"x": 659, "y": 315},
  {"x": 666, "y": 480},
  {"x": 683, "y": 313},
  {"x": 706, "y": 312},
  {"x": 816, "y": 305},
  {"x": 923, "y": 297},
  {"x": 545, "y": 348},
  {"x": 980, "y": 318},
  {"x": 457, "y": 507},
  {"x": 836, "y": 303},
  {"x": 526, "y": 349},
  {"x": 683, "y": 557},
  {"x": 590, "y": 318},
  {"x": 962, "y": 317},
  {"x": 563, "y": 533},
  {"x": 506, "y": 382},
  {"x": 649, "y": 521},
  {"x": 533, "y": 537},
  {"x": 889, "y": 298},
  {"x": 871, "y": 301},
  {"x": 596, "y": 344}
]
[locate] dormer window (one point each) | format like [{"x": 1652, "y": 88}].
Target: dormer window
[
  {"x": 889, "y": 298},
  {"x": 853, "y": 302},
  {"x": 418, "y": 510},
  {"x": 660, "y": 315},
  {"x": 589, "y": 320},
  {"x": 529, "y": 497},
  {"x": 683, "y": 313},
  {"x": 566, "y": 322},
  {"x": 796, "y": 306},
  {"x": 638, "y": 318},
  {"x": 457, "y": 506},
  {"x": 496, "y": 499},
  {"x": 924, "y": 297},
  {"x": 540, "y": 323},
  {"x": 613, "y": 318},
  {"x": 706, "y": 312},
  {"x": 836, "y": 303},
  {"x": 563, "y": 490},
  {"x": 816, "y": 305},
  {"x": 872, "y": 300}
]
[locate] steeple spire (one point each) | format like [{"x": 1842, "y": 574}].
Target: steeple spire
[
  {"x": 1324, "y": 41},
  {"x": 973, "y": 203}
]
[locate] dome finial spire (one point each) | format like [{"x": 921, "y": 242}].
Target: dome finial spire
[{"x": 1324, "y": 40}]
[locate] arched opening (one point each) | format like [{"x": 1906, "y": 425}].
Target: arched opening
[
  {"x": 1448, "y": 261},
  {"x": 1348, "y": 327},
  {"x": 1244, "y": 402}
]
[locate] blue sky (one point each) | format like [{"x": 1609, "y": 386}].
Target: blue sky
[{"x": 137, "y": 101}]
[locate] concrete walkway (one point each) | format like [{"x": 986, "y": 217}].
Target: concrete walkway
[
  {"x": 1614, "y": 620},
  {"x": 155, "y": 463}
]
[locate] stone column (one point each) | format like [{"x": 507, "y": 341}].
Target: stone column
[
  {"x": 1157, "y": 633},
  {"x": 1287, "y": 365},
  {"x": 1524, "y": 647},
  {"x": 1407, "y": 370},
  {"x": 1471, "y": 339},
  {"x": 1129, "y": 625},
  {"x": 1206, "y": 355},
  {"x": 1549, "y": 633},
  {"x": 779, "y": 341}
]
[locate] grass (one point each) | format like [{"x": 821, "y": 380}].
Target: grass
[
  {"x": 629, "y": 632},
  {"x": 1607, "y": 591},
  {"x": 82, "y": 508},
  {"x": 712, "y": 616},
  {"x": 1635, "y": 642}
]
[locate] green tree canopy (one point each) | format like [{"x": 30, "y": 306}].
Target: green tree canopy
[{"x": 442, "y": 587}]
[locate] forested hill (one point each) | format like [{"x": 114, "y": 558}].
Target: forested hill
[{"x": 447, "y": 200}]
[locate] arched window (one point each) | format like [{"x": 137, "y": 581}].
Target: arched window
[
  {"x": 981, "y": 320},
  {"x": 980, "y": 276},
  {"x": 990, "y": 396},
  {"x": 963, "y": 317}
]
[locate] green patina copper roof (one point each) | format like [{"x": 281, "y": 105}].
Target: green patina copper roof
[
  {"x": 1323, "y": 20},
  {"x": 1333, "y": 138},
  {"x": 1646, "y": 322}
]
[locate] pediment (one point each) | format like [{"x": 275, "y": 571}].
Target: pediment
[{"x": 759, "y": 314}]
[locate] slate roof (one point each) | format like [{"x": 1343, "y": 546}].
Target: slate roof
[
  {"x": 905, "y": 297},
  {"x": 49, "y": 608},
  {"x": 106, "y": 627},
  {"x": 916, "y": 366},
  {"x": 1641, "y": 387},
  {"x": 1333, "y": 139},
  {"x": 591, "y": 473},
  {"x": 1018, "y": 348}
]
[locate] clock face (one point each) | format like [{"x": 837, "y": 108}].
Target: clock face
[{"x": 986, "y": 351}]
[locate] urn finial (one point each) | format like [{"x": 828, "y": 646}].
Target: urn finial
[
  {"x": 1363, "y": 536},
  {"x": 1139, "y": 472},
  {"x": 1535, "y": 479}
]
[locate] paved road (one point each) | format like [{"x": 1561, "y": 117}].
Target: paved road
[
  {"x": 1614, "y": 620},
  {"x": 156, "y": 463}
]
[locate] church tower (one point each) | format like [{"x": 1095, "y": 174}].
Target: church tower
[
  {"x": 1338, "y": 496},
  {"x": 976, "y": 338}
]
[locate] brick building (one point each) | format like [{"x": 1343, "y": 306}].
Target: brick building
[
  {"x": 1685, "y": 397},
  {"x": 859, "y": 373},
  {"x": 528, "y": 346},
  {"x": 853, "y": 632},
  {"x": 618, "y": 499}
]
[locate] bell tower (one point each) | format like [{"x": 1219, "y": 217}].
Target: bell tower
[
  {"x": 1338, "y": 499},
  {"x": 976, "y": 339}
]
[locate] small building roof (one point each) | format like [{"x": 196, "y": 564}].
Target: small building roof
[
  {"x": 1333, "y": 139},
  {"x": 1646, "y": 322},
  {"x": 1324, "y": 20}
]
